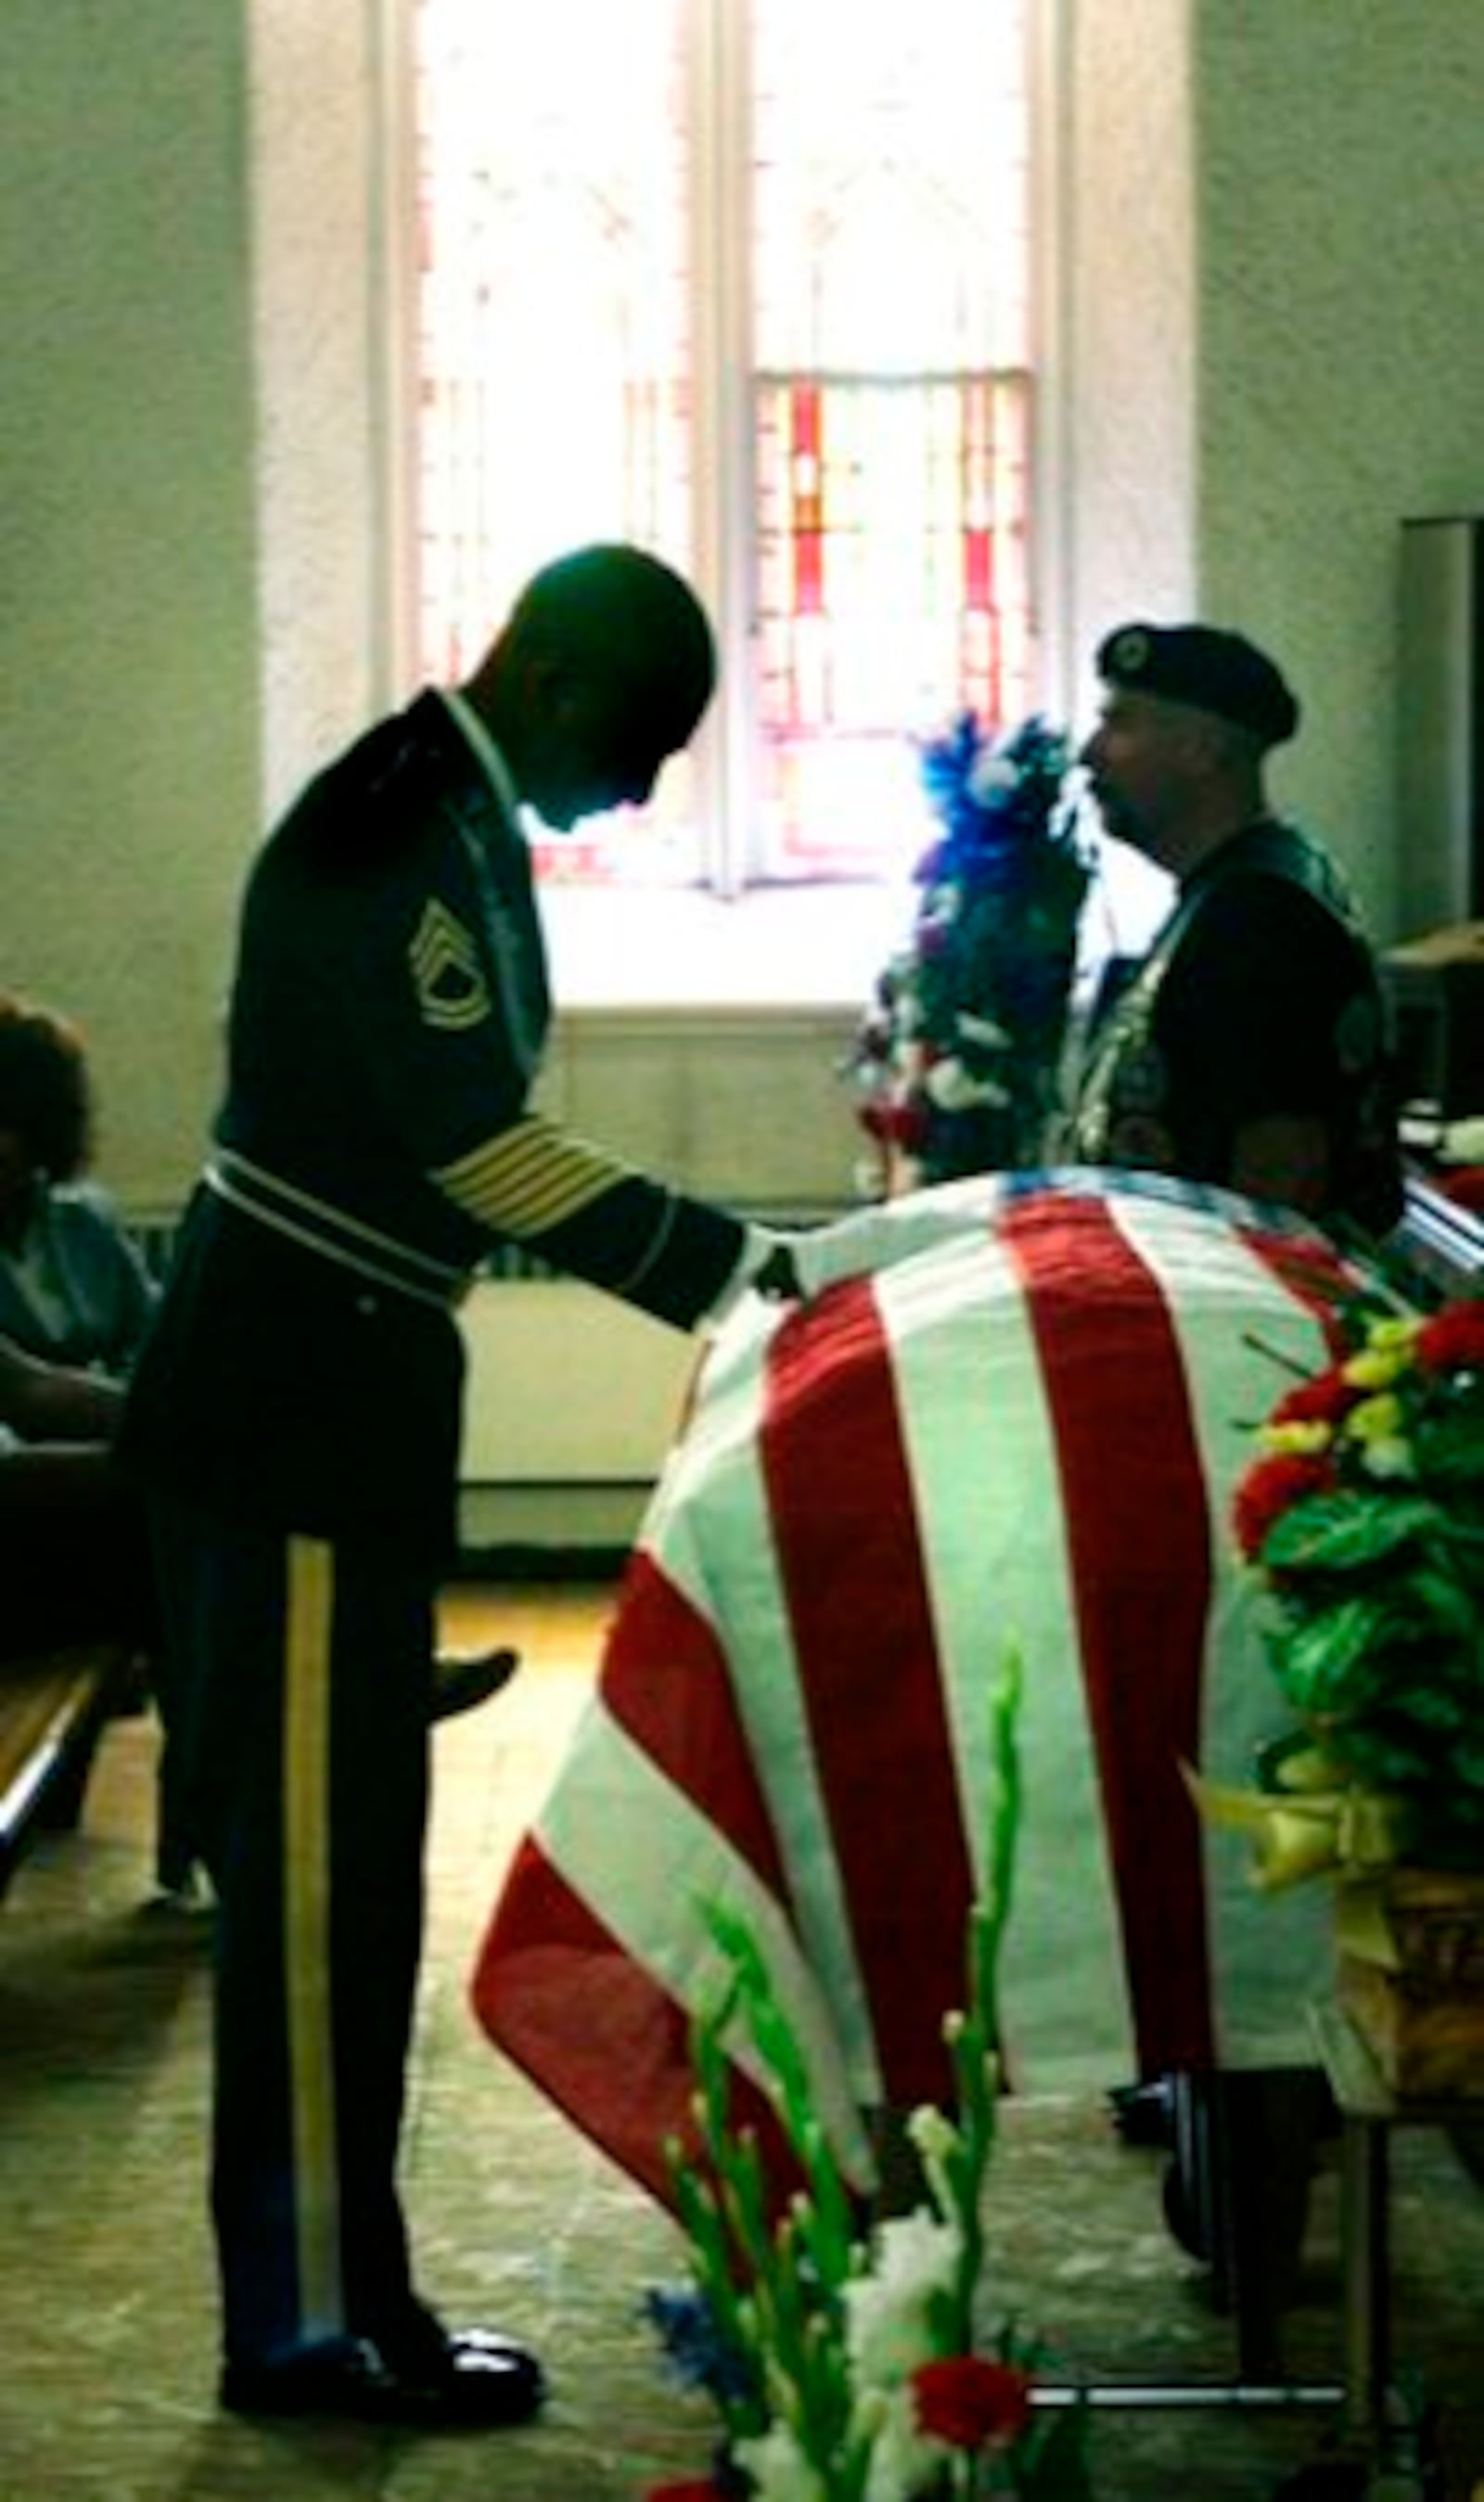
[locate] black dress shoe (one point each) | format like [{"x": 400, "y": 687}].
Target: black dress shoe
[
  {"x": 471, "y": 2379},
  {"x": 460, "y": 1681}
]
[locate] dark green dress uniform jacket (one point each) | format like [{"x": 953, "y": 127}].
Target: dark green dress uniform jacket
[{"x": 389, "y": 1011}]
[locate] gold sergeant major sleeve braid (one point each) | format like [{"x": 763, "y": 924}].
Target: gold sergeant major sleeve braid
[{"x": 592, "y": 1214}]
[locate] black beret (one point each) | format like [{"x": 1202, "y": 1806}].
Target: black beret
[{"x": 1207, "y": 666}]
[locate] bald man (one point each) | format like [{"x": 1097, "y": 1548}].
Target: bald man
[
  {"x": 1249, "y": 1048},
  {"x": 295, "y": 1418}
]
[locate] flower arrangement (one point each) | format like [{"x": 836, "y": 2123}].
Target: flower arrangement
[
  {"x": 847, "y": 2365},
  {"x": 956, "y": 1057},
  {"x": 1363, "y": 1522}
]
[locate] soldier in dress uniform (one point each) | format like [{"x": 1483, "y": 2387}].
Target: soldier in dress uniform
[
  {"x": 294, "y": 1416},
  {"x": 1249, "y": 1047}
]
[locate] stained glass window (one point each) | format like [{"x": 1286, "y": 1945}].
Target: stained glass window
[{"x": 747, "y": 281}]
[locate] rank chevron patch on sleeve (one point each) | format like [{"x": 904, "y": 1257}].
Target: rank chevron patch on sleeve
[{"x": 445, "y": 970}]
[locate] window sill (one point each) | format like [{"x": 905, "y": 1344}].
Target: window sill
[{"x": 808, "y": 947}]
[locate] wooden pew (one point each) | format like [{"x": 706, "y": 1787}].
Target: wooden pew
[{"x": 52, "y": 1707}]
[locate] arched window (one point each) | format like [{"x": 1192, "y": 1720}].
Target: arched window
[{"x": 748, "y": 280}]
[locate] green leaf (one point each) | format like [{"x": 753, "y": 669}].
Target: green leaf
[
  {"x": 1049, "y": 2464},
  {"x": 1346, "y": 1531},
  {"x": 1440, "y": 1597},
  {"x": 1318, "y": 1659},
  {"x": 1450, "y": 1445}
]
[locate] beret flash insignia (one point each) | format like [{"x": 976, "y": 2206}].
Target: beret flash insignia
[{"x": 1129, "y": 652}]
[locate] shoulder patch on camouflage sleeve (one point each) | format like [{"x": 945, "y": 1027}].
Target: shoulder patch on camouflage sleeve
[{"x": 445, "y": 970}]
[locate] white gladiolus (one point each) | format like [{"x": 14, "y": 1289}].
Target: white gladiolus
[
  {"x": 903, "y": 2460},
  {"x": 936, "y": 2140},
  {"x": 778, "y": 2469},
  {"x": 885, "y": 2327}
]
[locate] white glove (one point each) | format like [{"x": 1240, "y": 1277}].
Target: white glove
[{"x": 875, "y": 1237}]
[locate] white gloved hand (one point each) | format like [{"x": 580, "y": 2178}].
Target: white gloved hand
[{"x": 877, "y": 1237}]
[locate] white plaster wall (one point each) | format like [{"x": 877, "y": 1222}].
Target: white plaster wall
[
  {"x": 1121, "y": 375},
  {"x": 321, "y": 338},
  {"x": 1341, "y": 190},
  {"x": 128, "y": 788},
  {"x": 1128, "y": 333}
]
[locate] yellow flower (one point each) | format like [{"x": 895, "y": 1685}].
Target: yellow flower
[
  {"x": 1398, "y": 1330},
  {"x": 1375, "y": 1367},
  {"x": 1377, "y": 1425},
  {"x": 1376, "y": 1420},
  {"x": 1301, "y": 1436}
]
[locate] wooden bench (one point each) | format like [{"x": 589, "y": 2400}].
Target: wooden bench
[{"x": 52, "y": 1707}]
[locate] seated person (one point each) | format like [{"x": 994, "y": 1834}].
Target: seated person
[
  {"x": 75, "y": 1298},
  {"x": 62, "y": 1501},
  {"x": 75, "y": 1301}
]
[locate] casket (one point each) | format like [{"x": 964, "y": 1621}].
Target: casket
[{"x": 1019, "y": 1431}]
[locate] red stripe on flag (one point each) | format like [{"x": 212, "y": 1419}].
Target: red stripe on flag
[
  {"x": 1139, "y": 1544},
  {"x": 562, "y": 1998},
  {"x": 1311, "y": 1270},
  {"x": 666, "y": 1683},
  {"x": 844, "y": 1520}
]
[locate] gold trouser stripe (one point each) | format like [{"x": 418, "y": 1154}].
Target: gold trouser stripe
[
  {"x": 306, "y": 1934},
  {"x": 531, "y": 1177}
]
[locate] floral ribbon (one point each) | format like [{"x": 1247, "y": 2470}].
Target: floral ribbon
[{"x": 1304, "y": 1831}]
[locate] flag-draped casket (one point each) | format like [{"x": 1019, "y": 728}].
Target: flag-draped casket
[{"x": 1019, "y": 1430}]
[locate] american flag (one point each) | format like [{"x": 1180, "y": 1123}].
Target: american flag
[{"x": 1021, "y": 1430}]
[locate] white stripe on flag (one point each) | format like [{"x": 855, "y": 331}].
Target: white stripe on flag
[
  {"x": 711, "y": 1534},
  {"x": 991, "y": 1518},
  {"x": 632, "y": 1847}
]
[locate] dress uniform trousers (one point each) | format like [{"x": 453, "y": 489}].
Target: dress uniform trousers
[{"x": 303, "y": 1745}]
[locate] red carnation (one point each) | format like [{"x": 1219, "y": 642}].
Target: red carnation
[
  {"x": 1452, "y": 1340},
  {"x": 1270, "y": 1488},
  {"x": 971, "y": 2403},
  {"x": 1324, "y": 1401}
]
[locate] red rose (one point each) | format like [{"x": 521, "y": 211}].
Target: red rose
[
  {"x": 1452, "y": 1340},
  {"x": 971, "y": 2403},
  {"x": 1268, "y": 1489},
  {"x": 1324, "y": 1401},
  {"x": 698, "y": 2490}
]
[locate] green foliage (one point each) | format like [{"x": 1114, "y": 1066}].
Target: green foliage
[
  {"x": 799, "y": 2405},
  {"x": 1346, "y": 1531},
  {"x": 1365, "y": 1523}
]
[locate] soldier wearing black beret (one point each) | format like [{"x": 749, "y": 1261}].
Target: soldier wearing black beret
[
  {"x": 1248, "y": 1049},
  {"x": 1207, "y": 668}
]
